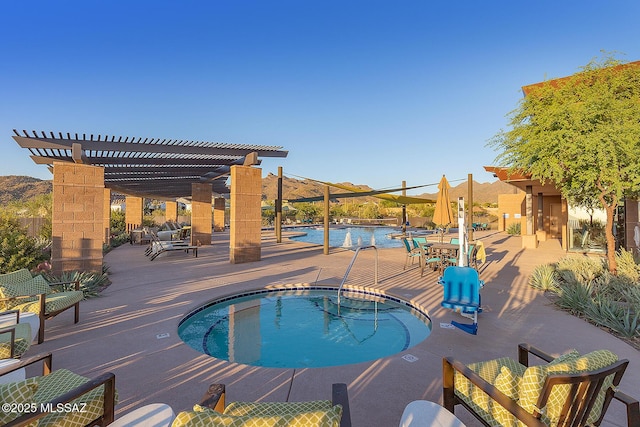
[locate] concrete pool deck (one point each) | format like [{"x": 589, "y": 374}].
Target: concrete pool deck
[{"x": 131, "y": 329}]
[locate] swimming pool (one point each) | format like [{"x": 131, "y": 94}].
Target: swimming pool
[
  {"x": 304, "y": 327},
  {"x": 351, "y": 236}
]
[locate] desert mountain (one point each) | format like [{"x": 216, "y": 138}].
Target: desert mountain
[
  {"x": 293, "y": 189},
  {"x": 25, "y": 187}
]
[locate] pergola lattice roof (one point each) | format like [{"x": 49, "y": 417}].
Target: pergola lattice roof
[{"x": 148, "y": 167}]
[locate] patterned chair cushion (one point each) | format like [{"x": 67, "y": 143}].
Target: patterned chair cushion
[
  {"x": 53, "y": 302},
  {"x": 534, "y": 377},
  {"x": 506, "y": 375},
  {"x": 17, "y": 276},
  {"x": 275, "y": 408},
  {"x": 34, "y": 286},
  {"x": 83, "y": 410},
  {"x": 22, "y": 342},
  {"x": 262, "y": 415},
  {"x": 18, "y": 393}
]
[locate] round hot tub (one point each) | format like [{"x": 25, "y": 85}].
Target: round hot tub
[{"x": 305, "y": 326}]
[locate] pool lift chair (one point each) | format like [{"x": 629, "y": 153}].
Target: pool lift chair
[{"x": 461, "y": 293}]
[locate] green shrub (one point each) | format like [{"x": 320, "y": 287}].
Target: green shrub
[
  {"x": 544, "y": 278},
  {"x": 580, "y": 269},
  {"x": 514, "y": 229},
  {"x": 627, "y": 266},
  {"x": 17, "y": 249},
  {"x": 575, "y": 297}
]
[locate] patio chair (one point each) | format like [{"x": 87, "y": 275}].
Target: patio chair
[
  {"x": 411, "y": 252},
  {"x": 461, "y": 293},
  {"x": 570, "y": 390},
  {"x": 157, "y": 247},
  {"x": 59, "y": 397},
  {"x": 212, "y": 410},
  {"x": 21, "y": 291},
  {"x": 15, "y": 337}
]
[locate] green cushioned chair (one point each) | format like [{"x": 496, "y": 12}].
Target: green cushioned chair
[
  {"x": 20, "y": 291},
  {"x": 58, "y": 398},
  {"x": 570, "y": 390},
  {"x": 213, "y": 412}
]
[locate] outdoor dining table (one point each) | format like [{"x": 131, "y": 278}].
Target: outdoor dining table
[{"x": 445, "y": 251}]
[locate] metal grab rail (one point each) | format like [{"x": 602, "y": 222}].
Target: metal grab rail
[{"x": 353, "y": 260}]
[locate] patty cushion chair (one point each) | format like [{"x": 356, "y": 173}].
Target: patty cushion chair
[
  {"x": 21, "y": 291},
  {"x": 570, "y": 390},
  {"x": 212, "y": 412},
  {"x": 84, "y": 401}
]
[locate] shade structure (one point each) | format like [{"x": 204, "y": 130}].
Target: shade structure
[{"x": 443, "y": 214}]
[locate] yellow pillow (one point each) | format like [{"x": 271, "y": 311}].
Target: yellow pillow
[{"x": 210, "y": 418}]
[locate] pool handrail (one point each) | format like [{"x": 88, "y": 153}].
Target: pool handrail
[{"x": 353, "y": 260}]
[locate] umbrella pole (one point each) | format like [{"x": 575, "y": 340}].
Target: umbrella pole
[{"x": 461, "y": 234}]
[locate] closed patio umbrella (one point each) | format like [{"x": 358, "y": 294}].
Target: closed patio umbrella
[{"x": 443, "y": 214}]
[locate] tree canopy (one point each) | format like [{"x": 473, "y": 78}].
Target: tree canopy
[{"x": 583, "y": 134}]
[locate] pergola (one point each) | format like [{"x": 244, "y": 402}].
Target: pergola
[
  {"x": 147, "y": 167},
  {"x": 86, "y": 170}
]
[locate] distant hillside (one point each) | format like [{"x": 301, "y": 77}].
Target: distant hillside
[
  {"x": 293, "y": 188},
  {"x": 25, "y": 187},
  {"x": 14, "y": 187}
]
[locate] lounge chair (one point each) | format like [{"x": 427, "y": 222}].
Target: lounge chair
[
  {"x": 212, "y": 408},
  {"x": 461, "y": 293},
  {"x": 412, "y": 252},
  {"x": 570, "y": 390},
  {"x": 59, "y": 397},
  {"x": 15, "y": 337},
  {"x": 157, "y": 246},
  {"x": 213, "y": 411},
  {"x": 20, "y": 290}
]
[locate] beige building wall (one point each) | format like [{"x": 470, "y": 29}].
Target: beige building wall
[
  {"x": 218, "y": 214},
  {"x": 632, "y": 226},
  {"x": 133, "y": 212},
  {"x": 201, "y": 216},
  {"x": 246, "y": 222},
  {"x": 511, "y": 211},
  {"x": 77, "y": 221}
]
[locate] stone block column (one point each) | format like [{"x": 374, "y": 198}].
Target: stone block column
[
  {"x": 218, "y": 214},
  {"x": 171, "y": 211},
  {"x": 632, "y": 226},
  {"x": 106, "y": 217},
  {"x": 133, "y": 212},
  {"x": 77, "y": 221},
  {"x": 201, "y": 216},
  {"x": 246, "y": 221}
]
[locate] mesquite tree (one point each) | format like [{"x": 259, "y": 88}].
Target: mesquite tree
[{"x": 581, "y": 133}]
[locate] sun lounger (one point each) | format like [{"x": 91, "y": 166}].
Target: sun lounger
[{"x": 157, "y": 246}]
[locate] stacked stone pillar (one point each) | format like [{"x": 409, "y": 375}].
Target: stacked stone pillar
[
  {"x": 106, "y": 217},
  {"x": 171, "y": 211},
  {"x": 218, "y": 214},
  {"x": 133, "y": 212},
  {"x": 78, "y": 217},
  {"x": 246, "y": 220},
  {"x": 201, "y": 215}
]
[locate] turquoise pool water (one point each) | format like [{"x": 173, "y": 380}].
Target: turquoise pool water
[
  {"x": 304, "y": 328},
  {"x": 341, "y": 236}
]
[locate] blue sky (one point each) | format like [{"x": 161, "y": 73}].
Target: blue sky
[{"x": 371, "y": 92}]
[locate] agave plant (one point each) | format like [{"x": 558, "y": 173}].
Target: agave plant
[{"x": 544, "y": 278}]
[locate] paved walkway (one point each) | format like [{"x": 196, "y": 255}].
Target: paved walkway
[{"x": 131, "y": 329}]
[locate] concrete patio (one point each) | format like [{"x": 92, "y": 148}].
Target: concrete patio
[{"x": 131, "y": 329}]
